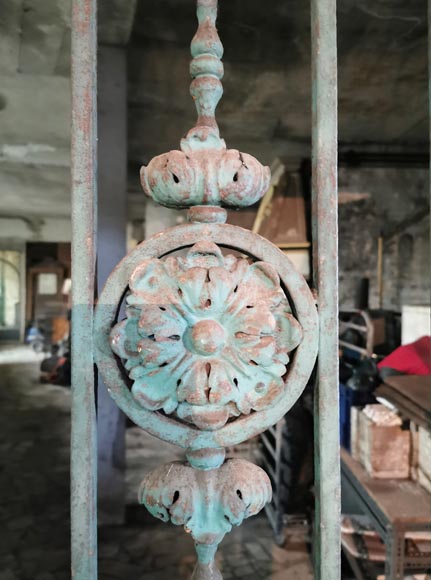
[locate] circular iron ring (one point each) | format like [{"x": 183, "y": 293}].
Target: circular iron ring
[{"x": 234, "y": 238}]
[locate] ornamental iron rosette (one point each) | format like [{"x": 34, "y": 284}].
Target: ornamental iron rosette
[
  {"x": 215, "y": 346},
  {"x": 206, "y": 336}
]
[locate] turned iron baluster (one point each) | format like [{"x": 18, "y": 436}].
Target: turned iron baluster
[{"x": 216, "y": 346}]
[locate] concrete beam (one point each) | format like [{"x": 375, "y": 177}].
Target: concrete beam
[
  {"x": 115, "y": 21},
  {"x": 35, "y": 109},
  {"x": 37, "y": 189}
]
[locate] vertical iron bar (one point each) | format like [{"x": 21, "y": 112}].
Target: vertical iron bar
[
  {"x": 325, "y": 262},
  {"x": 429, "y": 94},
  {"x": 84, "y": 198}
]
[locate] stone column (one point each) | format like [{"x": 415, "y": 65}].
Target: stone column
[{"x": 112, "y": 171}]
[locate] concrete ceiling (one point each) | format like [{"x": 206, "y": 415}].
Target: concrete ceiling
[
  {"x": 266, "y": 108},
  {"x": 35, "y": 100},
  {"x": 383, "y": 96}
]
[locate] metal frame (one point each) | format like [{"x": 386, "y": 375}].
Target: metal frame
[
  {"x": 269, "y": 456},
  {"x": 206, "y": 89},
  {"x": 392, "y": 533},
  {"x": 270, "y": 459},
  {"x": 367, "y": 329}
]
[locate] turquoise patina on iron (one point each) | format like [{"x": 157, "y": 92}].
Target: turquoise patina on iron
[
  {"x": 206, "y": 336},
  {"x": 206, "y": 502},
  {"x": 204, "y": 171},
  {"x": 301, "y": 361},
  {"x": 218, "y": 347}
]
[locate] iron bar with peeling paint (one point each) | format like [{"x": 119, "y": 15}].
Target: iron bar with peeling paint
[
  {"x": 325, "y": 262},
  {"x": 84, "y": 200},
  {"x": 429, "y": 88}
]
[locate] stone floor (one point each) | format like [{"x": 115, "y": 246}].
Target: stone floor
[{"x": 34, "y": 500}]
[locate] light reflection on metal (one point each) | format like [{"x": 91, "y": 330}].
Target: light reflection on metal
[{"x": 215, "y": 348}]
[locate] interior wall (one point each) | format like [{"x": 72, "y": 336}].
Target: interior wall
[
  {"x": 14, "y": 234},
  {"x": 394, "y": 194}
]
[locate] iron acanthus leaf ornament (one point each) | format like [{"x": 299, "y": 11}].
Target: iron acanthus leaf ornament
[
  {"x": 206, "y": 502},
  {"x": 216, "y": 176},
  {"x": 206, "y": 336}
]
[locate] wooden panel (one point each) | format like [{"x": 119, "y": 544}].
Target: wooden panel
[
  {"x": 284, "y": 222},
  {"x": 406, "y": 408},
  {"x": 416, "y": 388}
]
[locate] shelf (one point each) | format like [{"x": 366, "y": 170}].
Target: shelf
[{"x": 401, "y": 501}]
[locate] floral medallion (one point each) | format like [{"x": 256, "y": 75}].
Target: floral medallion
[{"x": 206, "y": 336}]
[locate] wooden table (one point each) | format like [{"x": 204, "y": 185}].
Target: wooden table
[
  {"x": 411, "y": 395},
  {"x": 395, "y": 507}
]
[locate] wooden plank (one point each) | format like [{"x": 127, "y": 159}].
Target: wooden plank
[
  {"x": 407, "y": 409},
  {"x": 403, "y": 502}
]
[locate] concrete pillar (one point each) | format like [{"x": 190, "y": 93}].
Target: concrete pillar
[{"x": 112, "y": 170}]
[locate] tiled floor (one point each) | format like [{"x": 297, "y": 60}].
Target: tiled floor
[{"x": 34, "y": 500}]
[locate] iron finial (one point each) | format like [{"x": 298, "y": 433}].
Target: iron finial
[{"x": 205, "y": 172}]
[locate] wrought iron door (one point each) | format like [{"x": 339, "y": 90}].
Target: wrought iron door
[{"x": 218, "y": 340}]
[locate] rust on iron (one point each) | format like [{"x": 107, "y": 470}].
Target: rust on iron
[
  {"x": 84, "y": 198},
  {"x": 217, "y": 347}
]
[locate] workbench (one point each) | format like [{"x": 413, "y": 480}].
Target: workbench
[{"x": 395, "y": 507}]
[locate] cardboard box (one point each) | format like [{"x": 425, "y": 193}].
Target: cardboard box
[
  {"x": 410, "y": 577},
  {"x": 383, "y": 447},
  {"x": 424, "y": 480},
  {"x": 424, "y": 451},
  {"x": 354, "y": 432},
  {"x": 301, "y": 261}
]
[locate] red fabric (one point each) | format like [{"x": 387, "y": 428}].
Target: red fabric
[{"x": 410, "y": 359}]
